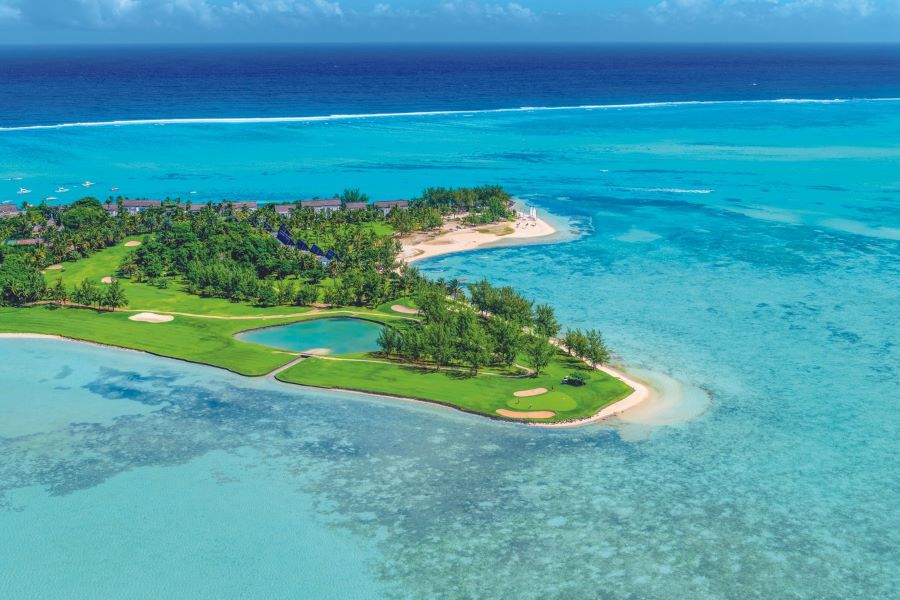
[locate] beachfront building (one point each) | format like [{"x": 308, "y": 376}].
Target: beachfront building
[
  {"x": 248, "y": 206},
  {"x": 284, "y": 210},
  {"x": 322, "y": 206},
  {"x": 356, "y": 206},
  {"x": 131, "y": 207},
  {"x": 385, "y": 206},
  {"x": 9, "y": 210}
]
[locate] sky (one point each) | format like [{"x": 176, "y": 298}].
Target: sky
[{"x": 470, "y": 21}]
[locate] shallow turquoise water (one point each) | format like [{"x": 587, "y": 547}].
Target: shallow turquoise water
[
  {"x": 336, "y": 335},
  {"x": 750, "y": 252}
]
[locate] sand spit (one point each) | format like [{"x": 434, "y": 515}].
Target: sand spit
[{"x": 456, "y": 236}]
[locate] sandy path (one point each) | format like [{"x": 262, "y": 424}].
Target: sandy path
[
  {"x": 56, "y": 267},
  {"x": 457, "y": 237},
  {"x": 527, "y": 393},
  {"x": 534, "y": 414}
]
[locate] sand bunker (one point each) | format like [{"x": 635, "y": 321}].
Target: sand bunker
[
  {"x": 106, "y": 280},
  {"x": 147, "y": 317},
  {"x": 526, "y": 393},
  {"x": 132, "y": 244},
  {"x": 535, "y": 414},
  {"x": 56, "y": 267},
  {"x": 404, "y": 309}
]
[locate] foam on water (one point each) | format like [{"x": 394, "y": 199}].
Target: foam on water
[{"x": 432, "y": 113}]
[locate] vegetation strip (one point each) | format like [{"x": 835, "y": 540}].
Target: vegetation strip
[{"x": 183, "y": 282}]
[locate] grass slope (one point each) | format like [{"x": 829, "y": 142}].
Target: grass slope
[
  {"x": 481, "y": 394},
  {"x": 147, "y": 297},
  {"x": 208, "y": 341}
]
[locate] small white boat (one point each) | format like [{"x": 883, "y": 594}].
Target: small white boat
[
  {"x": 193, "y": 193},
  {"x": 114, "y": 189},
  {"x": 62, "y": 190},
  {"x": 50, "y": 198},
  {"x": 88, "y": 184},
  {"x": 23, "y": 191}
]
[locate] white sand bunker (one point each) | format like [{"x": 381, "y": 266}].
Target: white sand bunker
[
  {"x": 526, "y": 393},
  {"x": 534, "y": 414},
  {"x": 56, "y": 267},
  {"x": 404, "y": 309},
  {"x": 132, "y": 244},
  {"x": 106, "y": 280},
  {"x": 147, "y": 317}
]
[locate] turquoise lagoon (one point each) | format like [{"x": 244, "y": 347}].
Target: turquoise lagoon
[
  {"x": 747, "y": 256},
  {"x": 339, "y": 335}
]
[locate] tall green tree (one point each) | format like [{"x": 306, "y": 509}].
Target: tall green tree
[
  {"x": 58, "y": 293},
  {"x": 540, "y": 353},
  {"x": 113, "y": 297},
  {"x": 545, "y": 321},
  {"x": 597, "y": 352}
]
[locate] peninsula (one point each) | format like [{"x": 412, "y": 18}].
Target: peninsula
[{"x": 317, "y": 293}]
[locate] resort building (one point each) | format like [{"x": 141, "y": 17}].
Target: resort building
[
  {"x": 327, "y": 206},
  {"x": 248, "y": 206},
  {"x": 385, "y": 206},
  {"x": 132, "y": 207},
  {"x": 9, "y": 210},
  {"x": 356, "y": 206},
  {"x": 284, "y": 210}
]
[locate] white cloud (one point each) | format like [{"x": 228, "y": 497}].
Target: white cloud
[
  {"x": 714, "y": 11},
  {"x": 511, "y": 11},
  {"x": 9, "y": 12}
]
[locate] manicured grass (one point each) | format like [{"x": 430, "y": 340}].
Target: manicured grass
[
  {"x": 142, "y": 296},
  {"x": 482, "y": 394},
  {"x": 208, "y": 341},
  {"x": 211, "y": 341}
]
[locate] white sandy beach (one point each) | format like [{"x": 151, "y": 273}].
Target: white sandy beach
[{"x": 456, "y": 236}]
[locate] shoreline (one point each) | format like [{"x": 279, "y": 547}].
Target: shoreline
[
  {"x": 455, "y": 236},
  {"x": 640, "y": 391}
]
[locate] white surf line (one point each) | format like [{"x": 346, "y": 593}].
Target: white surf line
[{"x": 433, "y": 113}]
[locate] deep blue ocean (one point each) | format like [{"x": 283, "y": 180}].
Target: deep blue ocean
[
  {"x": 41, "y": 85},
  {"x": 729, "y": 217}
]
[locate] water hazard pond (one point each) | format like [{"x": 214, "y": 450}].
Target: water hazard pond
[{"x": 337, "y": 335}]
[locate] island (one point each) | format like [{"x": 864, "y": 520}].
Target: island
[{"x": 316, "y": 292}]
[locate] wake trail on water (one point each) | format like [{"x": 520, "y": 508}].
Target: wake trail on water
[{"x": 435, "y": 113}]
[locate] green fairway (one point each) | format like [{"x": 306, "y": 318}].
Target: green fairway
[
  {"x": 195, "y": 336},
  {"x": 142, "y": 296},
  {"x": 208, "y": 341},
  {"x": 482, "y": 394}
]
